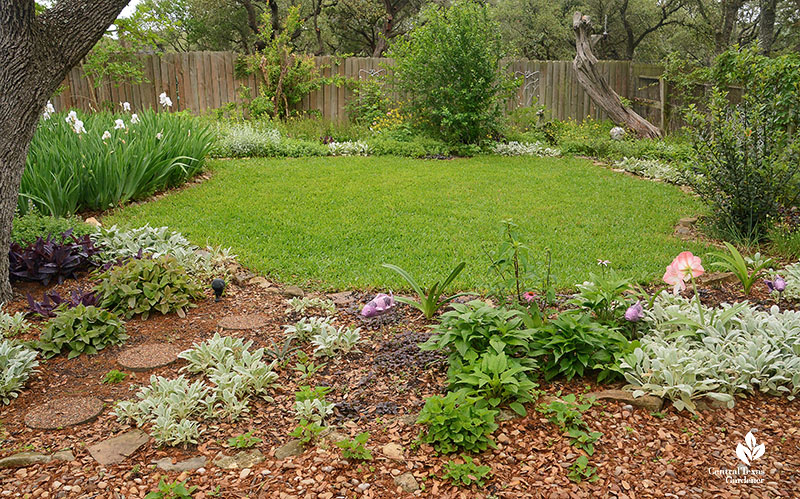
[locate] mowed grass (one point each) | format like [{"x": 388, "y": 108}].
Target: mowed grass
[{"x": 332, "y": 222}]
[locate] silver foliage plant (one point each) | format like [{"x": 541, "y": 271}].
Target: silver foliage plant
[
  {"x": 791, "y": 273},
  {"x": 330, "y": 341},
  {"x": 737, "y": 350},
  {"x": 303, "y": 305},
  {"x": 12, "y": 325},
  {"x": 17, "y": 363},
  {"x": 349, "y": 148},
  {"x": 307, "y": 327},
  {"x": 234, "y": 375},
  {"x": 200, "y": 263},
  {"x": 525, "y": 149},
  {"x": 653, "y": 169}
]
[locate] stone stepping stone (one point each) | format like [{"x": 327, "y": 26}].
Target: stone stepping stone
[
  {"x": 149, "y": 356},
  {"x": 242, "y": 322},
  {"x": 63, "y": 412},
  {"x": 116, "y": 449},
  {"x": 240, "y": 460},
  {"x": 165, "y": 464}
]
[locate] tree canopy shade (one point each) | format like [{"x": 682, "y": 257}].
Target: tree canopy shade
[{"x": 36, "y": 52}]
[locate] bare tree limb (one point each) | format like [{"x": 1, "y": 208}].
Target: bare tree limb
[{"x": 585, "y": 65}]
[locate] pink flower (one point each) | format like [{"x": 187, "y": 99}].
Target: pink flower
[
  {"x": 529, "y": 296},
  {"x": 683, "y": 268}
]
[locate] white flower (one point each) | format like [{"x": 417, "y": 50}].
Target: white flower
[
  {"x": 72, "y": 117},
  {"x": 106, "y": 135},
  {"x": 126, "y": 106},
  {"x": 45, "y": 115},
  {"x": 159, "y": 135},
  {"x": 78, "y": 127},
  {"x": 49, "y": 109},
  {"x": 119, "y": 124},
  {"x": 164, "y": 100},
  {"x": 134, "y": 119}
]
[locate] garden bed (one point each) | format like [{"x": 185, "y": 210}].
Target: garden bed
[{"x": 381, "y": 390}]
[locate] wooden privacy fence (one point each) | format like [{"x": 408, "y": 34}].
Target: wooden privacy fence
[{"x": 201, "y": 81}]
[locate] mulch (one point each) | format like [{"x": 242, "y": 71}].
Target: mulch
[{"x": 380, "y": 389}]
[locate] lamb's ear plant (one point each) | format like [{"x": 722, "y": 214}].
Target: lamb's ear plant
[
  {"x": 746, "y": 269},
  {"x": 430, "y": 300}
]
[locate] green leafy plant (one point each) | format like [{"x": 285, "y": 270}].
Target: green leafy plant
[
  {"x": 606, "y": 295},
  {"x": 573, "y": 343},
  {"x": 472, "y": 330},
  {"x": 147, "y": 285},
  {"x": 114, "y": 376},
  {"x": 101, "y": 166},
  {"x": 12, "y": 325},
  {"x": 307, "y": 431},
  {"x": 171, "y": 490},
  {"x": 430, "y": 300},
  {"x": 498, "y": 379},
  {"x": 457, "y": 422},
  {"x": 582, "y": 439},
  {"x": 580, "y": 470},
  {"x": 512, "y": 263},
  {"x": 243, "y": 441},
  {"x": 353, "y": 448},
  {"x": 306, "y": 367},
  {"x": 450, "y": 70},
  {"x": 566, "y": 411},
  {"x": 81, "y": 329},
  {"x": 466, "y": 473},
  {"x": 283, "y": 352},
  {"x": 30, "y": 226},
  {"x": 746, "y": 269}
]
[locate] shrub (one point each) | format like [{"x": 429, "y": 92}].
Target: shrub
[
  {"x": 450, "y": 70},
  {"x": 457, "y": 422},
  {"x": 17, "y": 363},
  {"x": 745, "y": 168},
  {"x": 369, "y": 102},
  {"x": 69, "y": 171},
  {"x": 82, "y": 330},
  {"x": 413, "y": 146},
  {"x": 607, "y": 296},
  {"x": 141, "y": 286},
  {"x": 29, "y": 227},
  {"x": 51, "y": 258}
]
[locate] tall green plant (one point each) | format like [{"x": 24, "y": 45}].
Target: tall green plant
[
  {"x": 430, "y": 300},
  {"x": 449, "y": 69},
  {"x": 92, "y": 163}
]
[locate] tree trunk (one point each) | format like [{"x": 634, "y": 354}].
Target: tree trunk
[
  {"x": 595, "y": 85},
  {"x": 730, "y": 14},
  {"x": 36, "y": 52},
  {"x": 766, "y": 26}
]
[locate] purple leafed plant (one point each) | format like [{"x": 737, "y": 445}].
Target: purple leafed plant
[
  {"x": 49, "y": 259},
  {"x": 52, "y": 300}
]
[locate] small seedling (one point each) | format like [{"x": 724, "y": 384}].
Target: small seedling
[
  {"x": 113, "y": 377},
  {"x": 467, "y": 473},
  {"x": 354, "y": 448},
  {"x": 171, "y": 490},
  {"x": 580, "y": 470},
  {"x": 243, "y": 441}
]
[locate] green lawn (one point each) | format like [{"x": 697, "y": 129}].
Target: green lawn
[{"x": 333, "y": 221}]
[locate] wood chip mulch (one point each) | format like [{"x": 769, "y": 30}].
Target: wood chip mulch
[{"x": 380, "y": 390}]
